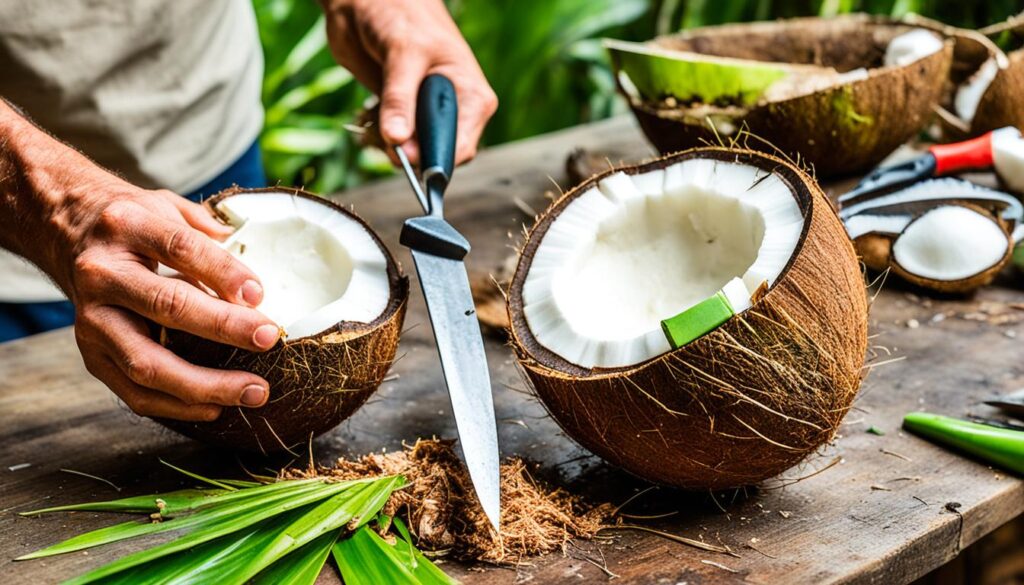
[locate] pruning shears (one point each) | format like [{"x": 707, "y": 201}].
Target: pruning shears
[
  {"x": 976, "y": 154},
  {"x": 922, "y": 183}
]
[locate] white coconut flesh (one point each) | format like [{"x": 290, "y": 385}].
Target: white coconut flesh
[
  {"x": 910, "y": 47},
  {"x": 950, "y": 243},
  {"x": 860, "y": 225},
  {"x": 638, "y": 250},
  {"x": 1008, "y": 157},
  {"x": 318, "y": 266},
  {"x": 969, "y": 94}
]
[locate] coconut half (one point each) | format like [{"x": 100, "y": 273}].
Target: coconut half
[
  {"x": 846, "y": 118},
  {"x": 985, "y": 83},
  {"x": 339, "y": 298},
  {"x": 699, "y": 320},
  {"x": 945, "y": 235}
]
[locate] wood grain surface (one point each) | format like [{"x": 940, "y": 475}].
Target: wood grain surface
[{"x": 882, "y": 509}]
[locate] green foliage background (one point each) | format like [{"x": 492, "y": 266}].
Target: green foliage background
[{"x": 543, "y": 58}]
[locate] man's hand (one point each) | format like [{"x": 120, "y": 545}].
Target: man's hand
[
  {"x": 101, "y": 239},
  {"x": 391, "y": 45}
]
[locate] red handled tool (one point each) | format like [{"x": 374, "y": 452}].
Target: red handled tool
[{"x": 940, "y": 160}]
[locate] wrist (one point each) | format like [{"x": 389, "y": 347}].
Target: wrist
[{"x": 46, "y": 190}]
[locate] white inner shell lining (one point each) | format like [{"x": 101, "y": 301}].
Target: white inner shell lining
[
  {"x": 1008, "y": 157},
  {"x": 636, "y": 250},
  {"x": 950, "y": 243},
  {"x": 318, "y": 267}
]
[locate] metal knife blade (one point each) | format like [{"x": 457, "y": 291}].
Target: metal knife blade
[{"x": 445, "y": 285}]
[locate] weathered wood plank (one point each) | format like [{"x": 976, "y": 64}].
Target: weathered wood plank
[{"x": 837, "y": 526}]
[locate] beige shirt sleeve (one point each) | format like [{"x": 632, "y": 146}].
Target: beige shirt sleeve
[{"x": 165, "y": 93}]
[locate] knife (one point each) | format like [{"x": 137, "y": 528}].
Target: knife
[
  {"x": 940, "y": 160},
  {"x": 1012, "y": 404},
  {"x": 437, "y": 250}
]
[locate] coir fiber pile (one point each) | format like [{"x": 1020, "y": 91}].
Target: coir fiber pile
[{"x": 441, "y": 509}]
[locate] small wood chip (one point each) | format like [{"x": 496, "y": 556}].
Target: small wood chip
[{"x": 895, "y": 454}]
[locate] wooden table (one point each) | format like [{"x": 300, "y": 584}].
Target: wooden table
[{"x": 889, "y": 509}]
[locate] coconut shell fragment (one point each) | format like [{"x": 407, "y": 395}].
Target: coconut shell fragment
[
  {"x": 316, "y": 381},
  {"x": 943, "y": 258},
  {"x": 744, "y": 402},
  {"x": 998, "y": 101},
  {"x": 846, "y": 125}
]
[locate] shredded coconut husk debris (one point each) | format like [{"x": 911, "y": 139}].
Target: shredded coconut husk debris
[{"x": 441, "y": 510}]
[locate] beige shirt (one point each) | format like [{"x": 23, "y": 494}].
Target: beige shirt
[{"x": 164, "y": 92}]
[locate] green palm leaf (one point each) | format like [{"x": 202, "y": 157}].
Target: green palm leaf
[
  {"x": 226, "y": 518},
  {"x": 367, "y": 559},
  {"x": 302, "y": 566},
  {"x": 179, "y": 500},
  {"x": 352, "y": 509},
  {"x": 248, "y": 532}
]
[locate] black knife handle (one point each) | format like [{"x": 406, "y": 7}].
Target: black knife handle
[{"x": 437, "y": 114}]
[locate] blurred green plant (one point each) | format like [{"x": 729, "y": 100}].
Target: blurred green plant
[
  {"x": 309, "y": 101},
  {"x": 543, "y": 58}
]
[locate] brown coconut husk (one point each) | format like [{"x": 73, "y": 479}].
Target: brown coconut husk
[
  {"x": 1003, "y": 103},
  {"x": 441, "y": 510},
  {"x": 742, "y": 403},
  {"x": 315, "y": 382},
  {"x": 839, "y": 130},
  {"x": 874, "y": 250}
]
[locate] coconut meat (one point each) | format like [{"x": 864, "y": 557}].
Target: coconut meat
[
  {"x": 860, "y": 225},
  {"x": 1008, "y": 157},
  {"x": 969, "y": 94},
  {"x": 638, "y": 249},
  {"x": 911, "y": 46},
  {"x": 950, "y": 243},
  {"x": 318, "y": 266}
]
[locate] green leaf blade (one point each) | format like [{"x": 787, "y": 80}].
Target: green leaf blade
[{"x": 240, "y": 513}]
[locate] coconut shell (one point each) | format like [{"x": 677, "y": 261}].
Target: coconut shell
[
  {"x": 839, "y": 130},
  {"x": 874, "y": 250},
  {"x": 1003, "y": 103},
  {"x": 744, "y": 402},
  {"x": 315, "y": 382},
  {"x": 963, "y": 285}
]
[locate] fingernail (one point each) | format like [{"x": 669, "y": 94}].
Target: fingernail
[
  {"x": 251, "y": 292},
  {"x": 266, "y": 336},
  {"x": 396, "y": 127},
  {"x": 254, "y": 395}
]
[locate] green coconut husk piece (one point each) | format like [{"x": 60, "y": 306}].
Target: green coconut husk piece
[{"x": 659, "y": 73}]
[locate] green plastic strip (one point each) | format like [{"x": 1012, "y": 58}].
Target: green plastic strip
[
  {"x": 698, "y": 320},
  {"x": 1002, "y": 447}
]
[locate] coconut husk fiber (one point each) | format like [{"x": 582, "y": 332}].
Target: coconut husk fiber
[
  {"x": 744, "y": 402},
  {"x": 441, "y": 510},
  {"x": 840, "y": 129}
]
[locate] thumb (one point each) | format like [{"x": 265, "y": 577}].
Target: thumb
[{"x": 402, "y": 77}]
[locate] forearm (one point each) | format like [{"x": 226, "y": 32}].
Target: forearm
[{"x": 39, "y": 176}]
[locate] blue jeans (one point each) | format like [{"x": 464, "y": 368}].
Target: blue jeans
[{"x": 24, "y": 319}]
